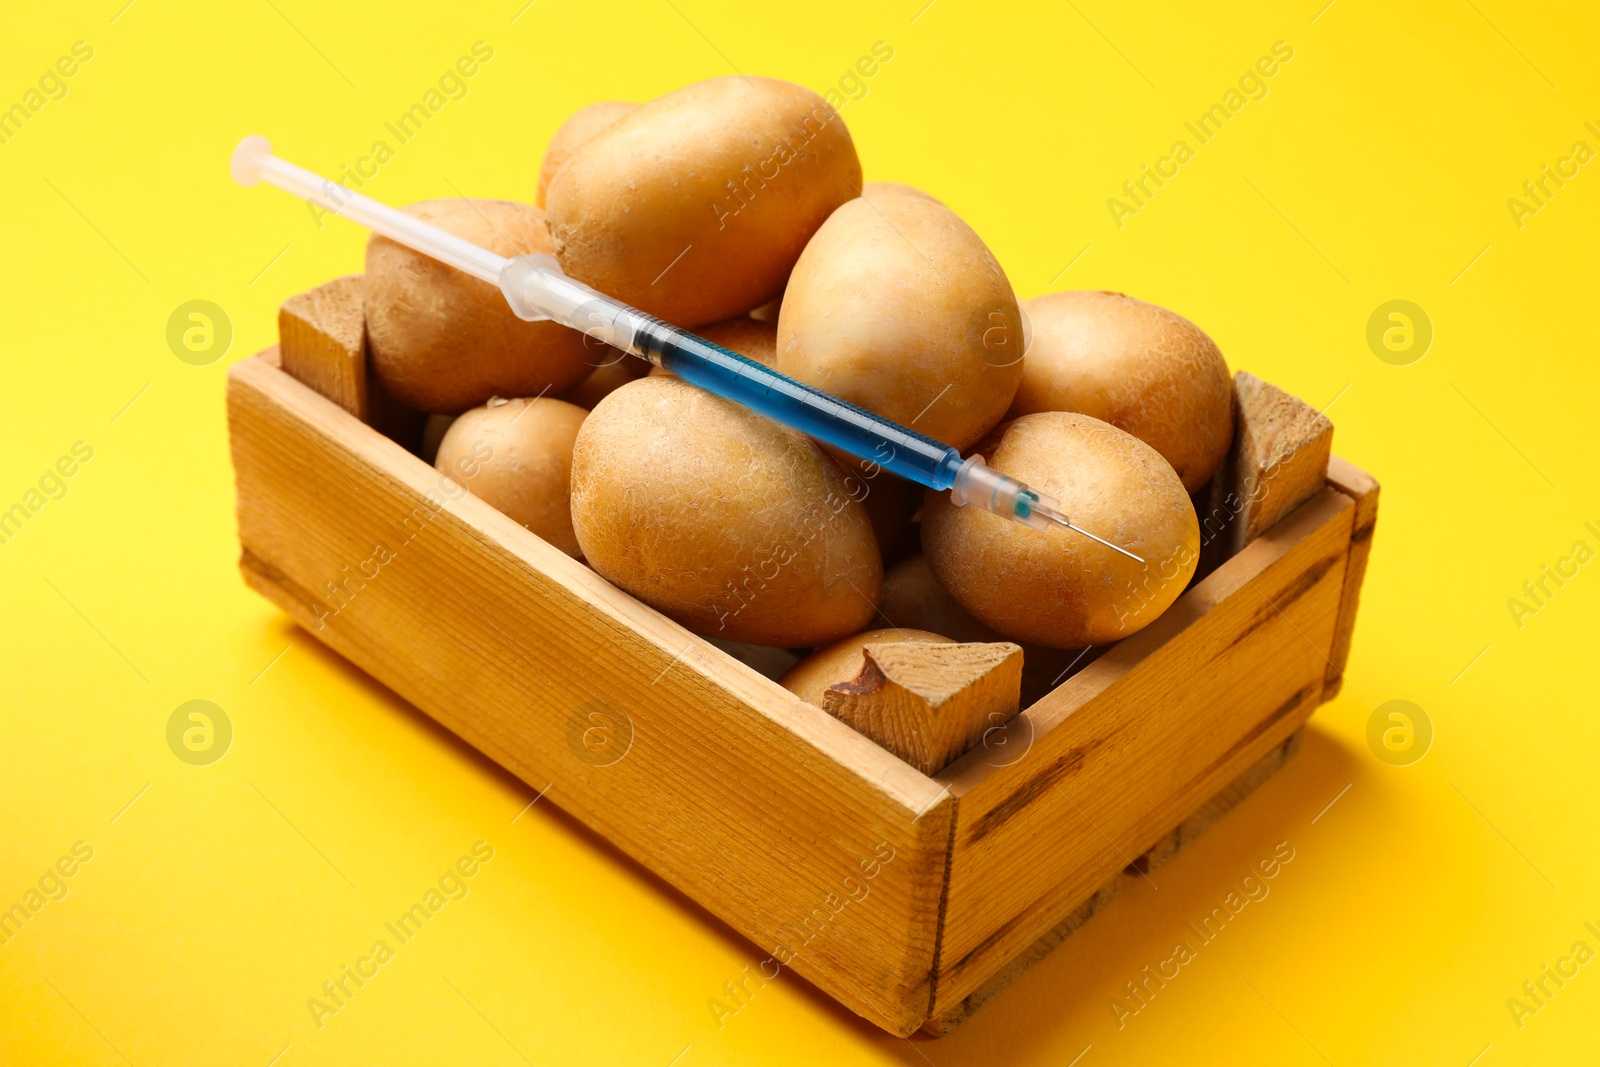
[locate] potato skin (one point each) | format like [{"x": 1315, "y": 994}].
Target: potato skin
[
  {"x": 573, "y": 134},
  {"x": 913, "y": 596},
  {"x": 1055, "y": 587},
  {"x": 749, "y": 337},
  {"x": 842, "y": 661},
  {"x": 897, "y": 306},
  {"x": 618, "y": 370},
  {"x": 442, "y": 341},
  {"x": 890, "y": 501},
  {"x": 516, "y": 455},
  {"x": 733, "y": 525},
  {"x": 1140, "y": 367},
  {"x": 695, "y": 206}
]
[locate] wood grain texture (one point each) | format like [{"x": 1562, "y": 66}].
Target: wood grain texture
[
  {"x": 1362, "y": 488},
  {"x": 928, "y": 703},
  {"x": 322, "y": 335},
  {"x": 1279, "y": 457},
  {"x": 1127, "y": 748},
  {"x": 523, "y": 651},
  {"x": 966, "y": 1007},
  {"x": 1187, "y": 832},
  {"x": 1207, "y": 815}
]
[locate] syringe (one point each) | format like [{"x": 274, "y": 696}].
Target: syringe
[{"x": 536, "y": 288}]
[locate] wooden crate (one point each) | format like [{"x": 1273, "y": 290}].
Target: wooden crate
[{"x": 908, "y": 898}]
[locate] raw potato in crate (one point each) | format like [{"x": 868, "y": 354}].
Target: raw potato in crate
[
  {"x": 695, "y": 206},
  {"x": 1139, "y": 367},
  {"x": 890, "y": 501},
  {"x": 517, "y": 456},
  {"x": 897, "y": 306},
  {"x": 443, "y": 341},
  {"x": 1054, "y": 587},
  {"x": 733, "y": 525},
  {"x": 749, "y": 337},
  {"x": 576, "y": 132}
]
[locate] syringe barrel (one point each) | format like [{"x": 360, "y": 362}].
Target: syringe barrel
[
  {"x": 869, "y": 437},
  {"x": 536, "y": 288}
]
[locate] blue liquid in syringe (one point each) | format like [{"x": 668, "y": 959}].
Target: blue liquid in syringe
[{"x": 827, "y": 418}]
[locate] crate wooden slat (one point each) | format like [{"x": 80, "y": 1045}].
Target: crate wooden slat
[
  {"x": 755, "y": 804},
  {"x": 1207, "y": 814},
  {"x": 1165, "y": 849},
  {"x": 1363, "y": 489},
  {"x": 324, "y": 343}
]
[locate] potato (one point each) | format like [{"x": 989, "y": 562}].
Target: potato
[
  {"x": 1056, "y": 587},
  {"x": 842, "y": 661},
  {"x": 517, "y": 456},
  {"x": 890, "y": 501},
  {"x": 912, "y": 596},
  {"x": 722, "y": 519},
  {"x": 746, "y": 336},
  {"x": 576, "y": 132},
  {"x": 442, "y": 341},
  {"x": 618, "y": 370},
  {"x": 695, "y": 206},
  {"x": 1139, "y": 367},
  {"x": 898, "y": 307}
]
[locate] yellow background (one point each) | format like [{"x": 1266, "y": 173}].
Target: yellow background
[{"x": 1378, "y": 167}]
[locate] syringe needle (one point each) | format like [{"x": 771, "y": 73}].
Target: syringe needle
[
  {"x": 1102, "y": 540},
  {"x": 1056, "y": 517}
]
